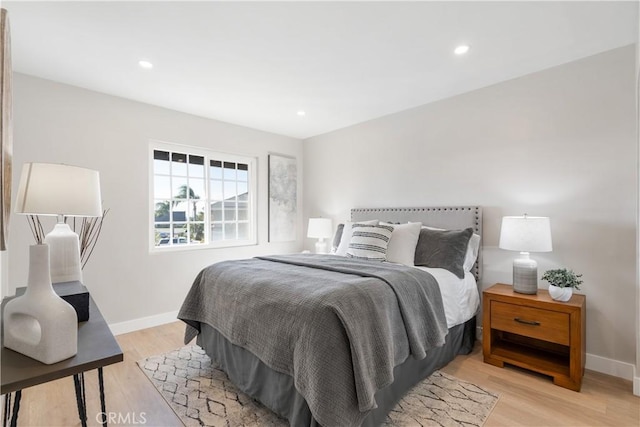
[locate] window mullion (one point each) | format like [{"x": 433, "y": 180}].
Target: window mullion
[
  {"x": 235, "y": 207},
  {"x": 223, "y": 206},
  {"x": 171, "y": 225},
  {"x": 207, "y": 202},
  {"x": 187, "y": 212}
]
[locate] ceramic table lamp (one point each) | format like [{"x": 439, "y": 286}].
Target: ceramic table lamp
[
  {"x": 62, "y": 191},
  {"x": 40, "y": 324},
  {"x": 320, "y": 228},
  {"x": 525, "y": 234}
]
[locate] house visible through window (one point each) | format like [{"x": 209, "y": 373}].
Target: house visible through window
[{"x": 202, "y": 198}]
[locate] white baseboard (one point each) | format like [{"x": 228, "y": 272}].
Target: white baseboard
[
  {"x": 143, "y": 323},
  {"x": 610, "y": 366},
  {"x": 636, "y": 386}
]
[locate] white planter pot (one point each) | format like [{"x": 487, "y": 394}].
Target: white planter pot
[{"x": 560, "y": 294}]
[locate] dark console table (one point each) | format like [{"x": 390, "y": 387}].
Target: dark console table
[{"x": 97, "y": 348}]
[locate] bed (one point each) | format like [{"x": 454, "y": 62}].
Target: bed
[{"x": 333, "y": 340}]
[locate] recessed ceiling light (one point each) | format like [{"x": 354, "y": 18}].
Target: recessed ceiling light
[
  {"x": 461, "y": 50},
  {"x": 145, "y": 64},
  {"x": 301, "y": 113}
]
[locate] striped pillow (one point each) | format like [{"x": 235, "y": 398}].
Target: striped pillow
[{"x": 369, "y": 242}]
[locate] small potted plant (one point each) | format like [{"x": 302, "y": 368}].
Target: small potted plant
[{"x": 561, "y": 283}]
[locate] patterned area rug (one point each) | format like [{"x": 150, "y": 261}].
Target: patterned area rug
[{"x": 202, "y": 395}]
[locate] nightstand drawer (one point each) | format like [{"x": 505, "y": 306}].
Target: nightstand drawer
[{"x": 547, "y": 325}]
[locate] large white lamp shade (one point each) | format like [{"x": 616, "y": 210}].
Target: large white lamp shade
[
  {"x": 320, "y": 228},
  {"x": 55, "y": 189},
  {"x": 525, "y": 234},
  {"x": 60, "y": 190}
]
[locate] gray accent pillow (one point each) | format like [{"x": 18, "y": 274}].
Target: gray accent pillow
[
  {"x": 443, "y": 249},
  {"x": 337, "y": 237}
]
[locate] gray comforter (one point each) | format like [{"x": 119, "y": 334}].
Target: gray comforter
[{"x": 338, "y": 326}]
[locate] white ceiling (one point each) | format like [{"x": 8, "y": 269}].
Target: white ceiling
[{"x": 257, "y": 64}]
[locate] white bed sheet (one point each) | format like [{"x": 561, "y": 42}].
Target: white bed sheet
[{"x": 460, "y": 296}]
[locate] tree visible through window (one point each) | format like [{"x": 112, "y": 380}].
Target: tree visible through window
[{"x": 202, "y": 199}]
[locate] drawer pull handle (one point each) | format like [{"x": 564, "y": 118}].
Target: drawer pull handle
[{"x": 527, "y": 322}]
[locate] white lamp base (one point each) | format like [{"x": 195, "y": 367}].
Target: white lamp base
[
  {"x": 64, "y": 250},
  {"x": 525, "y": 274},
  {"x": 40, "y": 324},
  {"x": 321, "y": 246}
]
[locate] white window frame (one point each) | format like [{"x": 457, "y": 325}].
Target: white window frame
[{"x": 208, "y": 155}]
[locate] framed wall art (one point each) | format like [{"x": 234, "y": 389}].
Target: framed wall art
[
  {"x": 6, "y": 132},
  {"x": 283, "y": 198}
]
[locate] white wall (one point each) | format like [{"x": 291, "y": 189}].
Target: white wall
[
  {"x": 64, "y": 124},
  {"x": 558, "y": 143}
]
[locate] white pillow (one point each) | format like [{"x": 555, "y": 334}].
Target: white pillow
[
  {"x": 369, "y": 242},
  {"x": 402, "y": 246},
  {"x": 346, "y": 235},
  {"x": 472, "y": 248},
  {"x": 472, "y": 252}
]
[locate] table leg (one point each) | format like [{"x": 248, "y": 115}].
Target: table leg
[
  {"x": 78, "y": 380},
  {"x": 16, "y": 408},
  {"x": 103, "y": 405},
  {"x": 6, "y": 409},
  {"x": 13, "y": 420},
  {"x": 11, "y": 416}
]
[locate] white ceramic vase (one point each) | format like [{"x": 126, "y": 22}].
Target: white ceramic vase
[
  {"x": 40, "y": 324},
  {"x": 560, "y": 294}
]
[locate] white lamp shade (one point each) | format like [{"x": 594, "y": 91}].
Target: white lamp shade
[
  {"x": 55, "y": 189},
  {"x": 526, "y": 234},
  {"x": 320, "y": 228}
]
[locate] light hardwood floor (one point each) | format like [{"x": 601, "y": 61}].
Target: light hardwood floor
[{"x": 526, "y": 399}]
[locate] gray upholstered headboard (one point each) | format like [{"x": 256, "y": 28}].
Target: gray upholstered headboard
[{"x": 450, "y": 217}]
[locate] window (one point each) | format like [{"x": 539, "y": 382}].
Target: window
[{"x": 201, "y": 198}]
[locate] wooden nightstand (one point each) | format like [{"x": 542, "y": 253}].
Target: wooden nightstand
[{"x": 535, "y": 332}]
